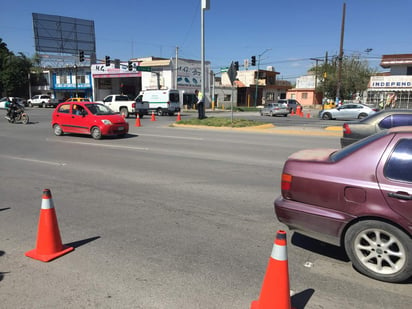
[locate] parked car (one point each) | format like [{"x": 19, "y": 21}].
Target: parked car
[
  {"x": 347, "y": 111},
  {"x": 42, "y": 100},
  {"x": 95, "y": 119},
  {"x": 20, "y": 101},
  {"x": 359, "y": 197},
  {"x": 385, "y": 119},
  {"x": 292, "y": 104},
  {"x": 274, "y": 109}
]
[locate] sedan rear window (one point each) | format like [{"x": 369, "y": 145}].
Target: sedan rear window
[
  {"x": 396, "y": 120},
  {"x": 399, "y": 164},
  {"x": 344, "y": 152}
]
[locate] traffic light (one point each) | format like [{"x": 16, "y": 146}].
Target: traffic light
[
  {"x": 107, "y": 61},
  {"x": 236, "y": 65},
  {"x": 253, "y": 61},
  {"x": 81, "y": 55},
  {"x": 130, "y": 66}
]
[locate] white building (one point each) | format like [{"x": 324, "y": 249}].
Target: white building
[
  {"x": 151, "y": 73},
  {"x": 394, "y": 88}
]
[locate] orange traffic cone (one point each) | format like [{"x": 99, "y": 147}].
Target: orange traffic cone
[
  {"x": 178, "y": 118},
  {"x": 308, "y": 115},
  {"x": 49, "y": 244},
  {"x": 153, "y": 117},
  {"x": 275, "y": 291},
  {"x": 292, "y": 113},
  {"x": 137, "y": 124}
]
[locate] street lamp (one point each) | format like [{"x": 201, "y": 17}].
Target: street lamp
[
  {"x": 205, "y": 5},
  {"x": 257, "y": 74}
]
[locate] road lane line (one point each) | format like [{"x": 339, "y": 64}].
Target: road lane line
[
  {"x": 97, "y": 145},
  {"x": 175, "y": 137},
  {"x": 34, "y": 160}
]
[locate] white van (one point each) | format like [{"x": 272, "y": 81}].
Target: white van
[{"x": 162, "y": 102}]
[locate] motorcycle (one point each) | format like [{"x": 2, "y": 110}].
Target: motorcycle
[{"x": 17, "y": 114}]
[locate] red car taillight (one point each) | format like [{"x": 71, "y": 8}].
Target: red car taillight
[
  {"x": 133, "y": 105},
  {"x": 286, "y": 182},
  {"x": 346, "y": 129},
  {"x": 286, "y": 185}
]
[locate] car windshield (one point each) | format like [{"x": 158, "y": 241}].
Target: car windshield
[
  {"x": 99, "y": 109},
  {"x": 344, "y": 152}
]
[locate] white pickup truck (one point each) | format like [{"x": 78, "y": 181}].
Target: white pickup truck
[{"x": 122, "y": 104}]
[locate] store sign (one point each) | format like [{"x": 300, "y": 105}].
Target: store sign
[
  {"x": 391, "y": 82},
  {"x": 100, "y": 70}
]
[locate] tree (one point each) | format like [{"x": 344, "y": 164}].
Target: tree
[
  {"x": 14, "y": 72},
  {"x": 354, "y": 78}
]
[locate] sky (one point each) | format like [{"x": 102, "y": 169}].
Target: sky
[{"x": 286, "y": 34}]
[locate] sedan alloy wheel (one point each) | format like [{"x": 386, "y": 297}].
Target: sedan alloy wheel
[{"x": 380, "y": 250}]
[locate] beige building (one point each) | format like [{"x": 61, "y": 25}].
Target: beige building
[{"x": 256, "y": 87}]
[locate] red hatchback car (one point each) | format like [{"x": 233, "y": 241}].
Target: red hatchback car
[
  {"x": 90, "y": 118},
  {"x": 358, "y": 197}
]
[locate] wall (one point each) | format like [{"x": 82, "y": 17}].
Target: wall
[{"x": 306, "y": 97}]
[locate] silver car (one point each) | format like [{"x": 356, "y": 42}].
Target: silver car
[
  {"x": 274, "y": 109},
  {"x": 347, "y": 111}
]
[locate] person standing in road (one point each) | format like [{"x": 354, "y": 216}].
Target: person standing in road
[{"x": 200, "y": 104}]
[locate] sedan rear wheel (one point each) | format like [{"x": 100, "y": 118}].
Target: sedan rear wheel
[
  {"x": 380, "y": 250},
  {"x": 362, "y": 115},
  {"x": 96, "y": 133}
]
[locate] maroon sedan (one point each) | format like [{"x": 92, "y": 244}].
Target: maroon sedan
[{"x": 358, "y": 197}]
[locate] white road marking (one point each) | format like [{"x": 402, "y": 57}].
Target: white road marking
[{"x": 33, "y": 160}]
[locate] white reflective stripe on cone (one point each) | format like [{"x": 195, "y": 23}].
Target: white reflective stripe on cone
[
  {"x": 47, "y": 204},
  {"x": 279, "y": 253}
]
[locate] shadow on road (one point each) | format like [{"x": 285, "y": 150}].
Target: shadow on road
[
  {"x": 300, "y": 300},
  {"x": 80, "y": 243},
  {"x": 319, "y": 247}
]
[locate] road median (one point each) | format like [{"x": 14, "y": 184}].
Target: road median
[{"x": 271, "y": 129}]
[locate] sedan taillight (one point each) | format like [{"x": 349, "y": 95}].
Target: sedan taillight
[{"x": 286, "y": 182}]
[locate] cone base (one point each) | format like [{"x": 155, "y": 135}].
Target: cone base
[{"x": 47, "y": 257}]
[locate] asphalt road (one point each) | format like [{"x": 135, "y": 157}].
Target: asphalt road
[{"x": 168, "y": 217}]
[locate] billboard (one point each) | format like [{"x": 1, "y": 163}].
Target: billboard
[{"x": 63, "y": 35}]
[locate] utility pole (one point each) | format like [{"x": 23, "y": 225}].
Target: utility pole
[
  {"x": 257, "y": 75},
  {"x": 341, "y": 54},
  {"x": 176, "y": 66},
  {"x": 316, "y": 71}
]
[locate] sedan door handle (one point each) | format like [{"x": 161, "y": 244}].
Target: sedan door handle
[{"x": 400, "y": 195}]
